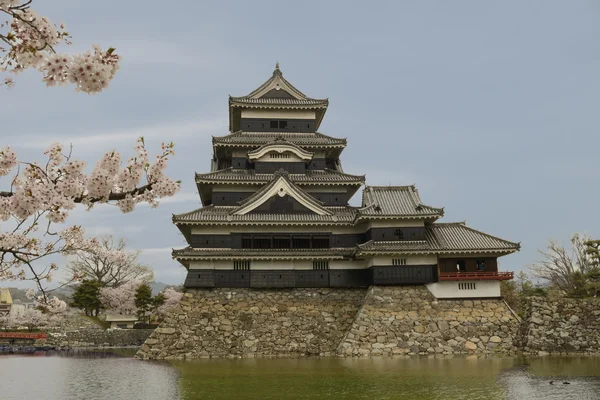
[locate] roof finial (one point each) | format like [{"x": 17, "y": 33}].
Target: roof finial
[{"x": 277, "y": 71}]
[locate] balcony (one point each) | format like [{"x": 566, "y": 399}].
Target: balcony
[{"x": 476, "y": 276}]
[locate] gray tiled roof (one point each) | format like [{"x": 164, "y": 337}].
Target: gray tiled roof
[
  {"x": 222, "y": 214},
  {"x": 257, "y": 139},
  {"x": 302, "y": 103},
  {"x": 457, "y": 236},
  {"x": 300, "y": 99},
  {"x": 395, "y": 201},
  {"x": 191, "y": 253},
  {"x": 445, "y": 237},
  {"x": 251, "y": 177}
]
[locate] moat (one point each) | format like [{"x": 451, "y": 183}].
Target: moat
[{"x": 106, "y": 375}]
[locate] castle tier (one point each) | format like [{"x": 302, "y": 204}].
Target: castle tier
[{"x": 275, "y": 213}]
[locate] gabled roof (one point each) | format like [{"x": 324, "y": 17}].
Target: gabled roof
[
  {"x": 312, "y": 177},
  {"x": 257, "y": 139},
  {"x": 280, "y": 145},
  {"x": 395, "y": 202},
  {"x": 278, "y": 91},
  {"x": 281, "y": 185}
]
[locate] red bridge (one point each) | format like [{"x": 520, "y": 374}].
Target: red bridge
[{"x": 23, "y": 335}]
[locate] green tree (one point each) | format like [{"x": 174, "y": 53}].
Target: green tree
[
  {"x": 87, "y": 297},
  {"x": 144, "y": 302}
]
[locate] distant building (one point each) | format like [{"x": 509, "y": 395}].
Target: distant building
[
  {"x": 121, "y": 321},
  {"x": 6, "y": 301},
  {"x": 275, "y": 213}
]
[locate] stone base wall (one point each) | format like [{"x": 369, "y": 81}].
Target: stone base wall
[
  {"x": 255, "y": 323},
  {"x": 561, "y": 326},
  {"x": 97, "y": 338},
  {"x": 329, "y": 322},
  {"x": 410, "y": 321}
]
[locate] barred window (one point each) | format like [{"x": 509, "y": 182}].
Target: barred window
[
  {"x": 467, "y": 286},
  {"x": 399, "y": 233},
  {"x": 241, "y": 265},
  {"x": 320, "y": 242},
  {"x": 281, "y": 242},
  {"x": 398, "y": 261},
  {"x": 279, "y": 155},
  {"x": 301, "y": 242},
  {"x": 320, "y": 265},
  {"x": 246, "y": 242},
  {"x": 262, "y": 243}
]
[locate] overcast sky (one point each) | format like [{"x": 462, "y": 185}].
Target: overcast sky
[{"x": 491, "y": 108}]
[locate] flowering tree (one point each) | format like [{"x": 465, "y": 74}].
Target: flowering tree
[
  {"x": 120, "y": 299},
  {"x": 28, "y": 40},
  {"x": 171, "y": 299},
  {"x": 40, "y": 195},
  {"x": 110, "y": 272}
]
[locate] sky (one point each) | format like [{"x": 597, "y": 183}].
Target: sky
[{"x": 490, "y": 108}]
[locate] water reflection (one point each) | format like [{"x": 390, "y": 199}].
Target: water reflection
[
  {"x": 108, "y": 375},
  {"x": 82, "y": 377},
  {"x": 446, "y": 378}
]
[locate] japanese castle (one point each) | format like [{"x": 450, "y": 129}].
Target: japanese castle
[{"x": 276, "y": 215}]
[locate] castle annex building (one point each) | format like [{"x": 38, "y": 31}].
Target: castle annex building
[{"x": 275, "y": 213}]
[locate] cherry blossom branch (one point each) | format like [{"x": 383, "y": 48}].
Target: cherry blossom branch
[{"x": 31, "y": 41}]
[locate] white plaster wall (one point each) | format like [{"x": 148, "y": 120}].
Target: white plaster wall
[
  {"x": 424, "y": 259},
  {"x": 291, "y": 114},
  {"x": 347, "y": 264},
  {"x": 449, "y": 289},
  {"x": 236, "y": 188},
  {"x": 211, "y": 264},
  {"x": 395, "y": 223}
]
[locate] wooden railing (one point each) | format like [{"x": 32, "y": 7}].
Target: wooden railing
[{"x": 475, "y": 276}]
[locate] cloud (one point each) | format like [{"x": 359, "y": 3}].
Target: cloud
[{"x": 91, "y": 140}]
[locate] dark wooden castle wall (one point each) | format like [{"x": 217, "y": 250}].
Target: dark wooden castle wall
[
  {"x": 264, "y": 125},
  {"x": 384, "y": 275},
  {"x": 267, "y": 167}
]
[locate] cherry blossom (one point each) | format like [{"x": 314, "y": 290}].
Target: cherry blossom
[
  {"x": 172, "y": 298},
  {"x": 120, "y": 299},
  {"x": 40, "y": 195},
  {"x": 31, "y": 39}
]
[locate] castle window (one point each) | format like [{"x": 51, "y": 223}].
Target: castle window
[
  {"x": 467, "y": 286},
  {"x": 320, "y": 242},
  {"x": 480, "y": 265},
  {"x": 282, "y": 124},
  {"x": 399, "y": 234},
  {"x": 262, "y": 243},
  {"x": 279, "y": 155},
  {"x": 301, "y": 243},
  {"x": 246, "y": 243},
  {"x": 273, "y": 124},
  {"x": 461, "y": 266},
  {"x": 320, "y": 265},
  {"x": 398, "y": 261},
  {"x": 281, "y": 242},
  {"x": 241, "y": 265}
]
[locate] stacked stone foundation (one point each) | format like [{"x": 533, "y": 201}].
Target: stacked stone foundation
[
  {"x": 561, "y": 326},
  {"x": 241, "y": 323}
]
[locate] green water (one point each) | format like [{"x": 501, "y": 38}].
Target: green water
[
  {"x": 448, "y": 379},
  {"x": 76, "y": 375}
]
